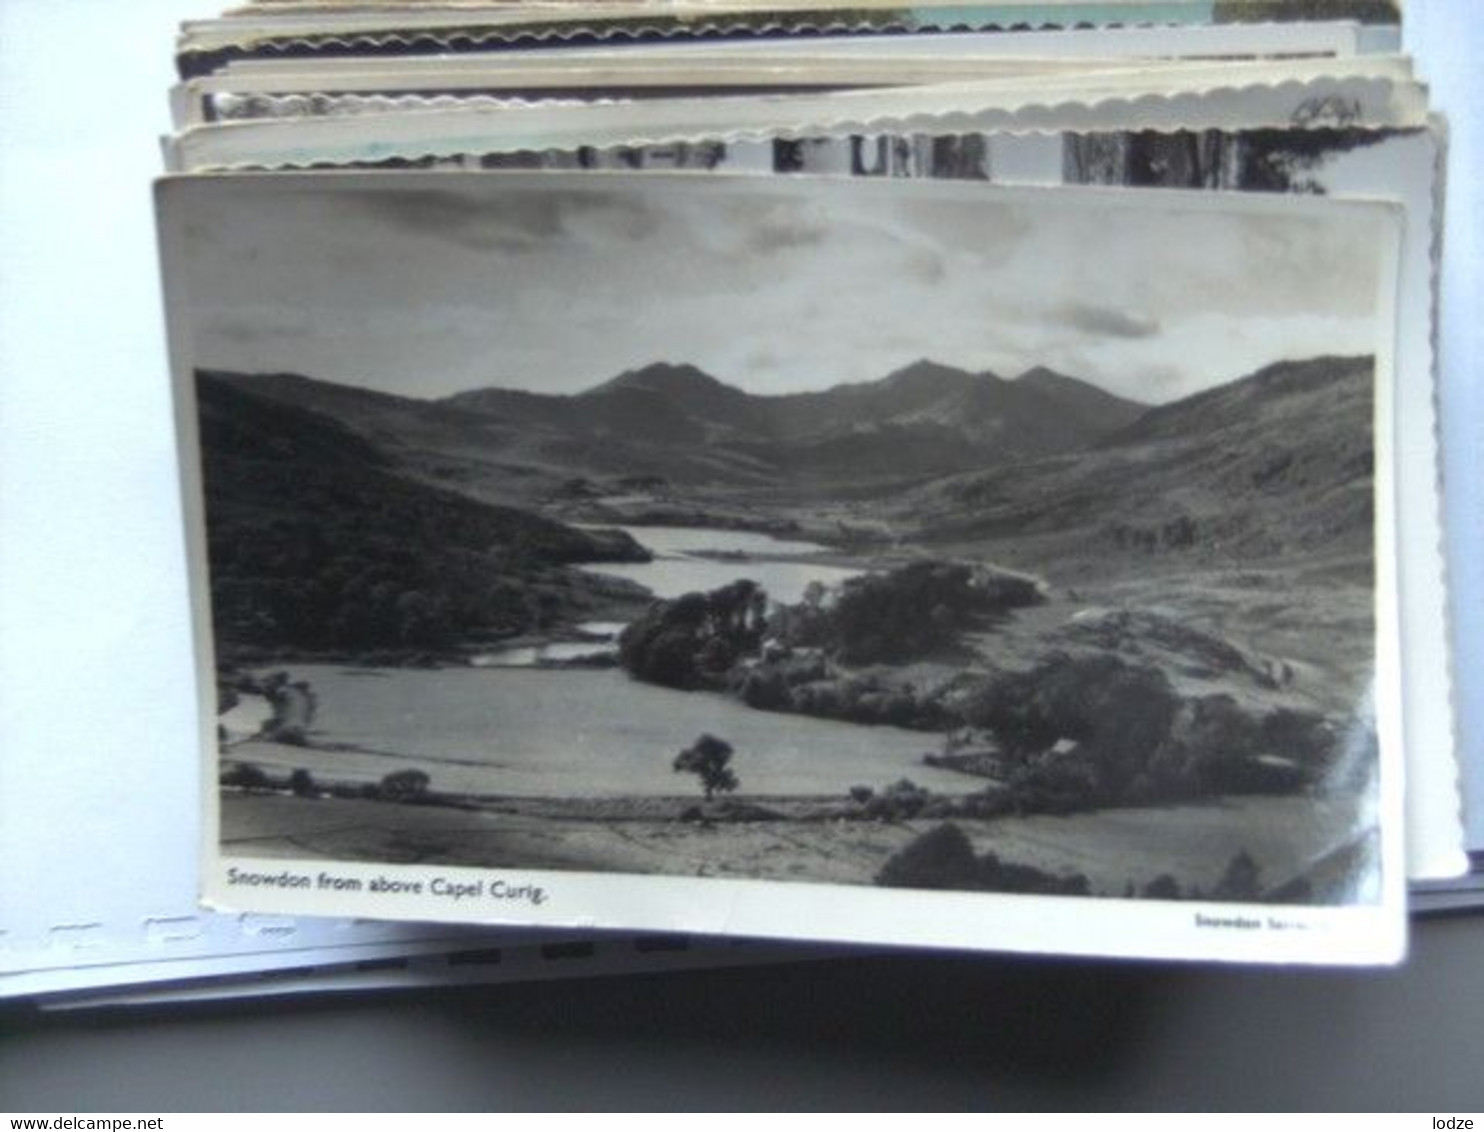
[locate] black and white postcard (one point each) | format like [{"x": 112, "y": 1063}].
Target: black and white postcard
[{"x": 904, "y": 562}]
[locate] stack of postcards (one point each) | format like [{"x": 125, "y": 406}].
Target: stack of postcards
[{"x": 958, "y": 476}]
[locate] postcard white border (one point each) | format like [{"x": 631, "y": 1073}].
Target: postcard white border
[{"x": 1094, "y": 926}]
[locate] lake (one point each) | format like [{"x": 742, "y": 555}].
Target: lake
[
  {"x": 509, "y": 726},
  {"x": 245, "y": 718},
  {"x": 681, "y": 564}
]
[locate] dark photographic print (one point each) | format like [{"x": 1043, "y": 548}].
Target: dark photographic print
[
  {"x": 1284, "y": 160},
  {"x": 873, "y": 538}
]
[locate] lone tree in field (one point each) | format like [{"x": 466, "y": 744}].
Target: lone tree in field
[{"x": 707, "y": 758}]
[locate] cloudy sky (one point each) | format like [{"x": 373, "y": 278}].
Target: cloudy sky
[{"x": 429, "y": 286}]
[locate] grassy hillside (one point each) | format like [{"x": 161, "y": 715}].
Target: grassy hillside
[
  {"x": 318, "y": 541},
  {"x": 1276, "y": 464}
]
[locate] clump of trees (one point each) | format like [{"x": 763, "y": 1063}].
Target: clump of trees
[
  {"x": 944, "y": 858},
  {"x": 1083, "y": 731},
  {"x": 701, "y": 639},
  {"x": 811, "y": 685},
  {"x": 709, "y": 759},
  {"x": 907, "y": 613},
  {"x": 1080, "y": 728},
  {"x": 408, "y": 785},
  {"x": 693, "y": 641},
  {"x": 1240, "y": 882}
]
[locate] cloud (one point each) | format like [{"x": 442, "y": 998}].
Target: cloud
[
  {"x": 926, "y": 266},
  {"x": 437, "y": 284},
  {"x": 1105, "y": 322},
  {"x": 247, "y": 331},
  {"x": 779, "y": 234},
  {"x": 515, "y": 223},
  {"x": 762, "y": 359}
]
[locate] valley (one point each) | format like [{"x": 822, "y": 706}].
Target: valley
[{"x": 938, "y": 600}]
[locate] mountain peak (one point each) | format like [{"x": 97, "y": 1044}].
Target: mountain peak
[
  {"x": 663, "y": 377},
  {"x": 1043, "y": 375},
  {"x": 926, "y": 372}
]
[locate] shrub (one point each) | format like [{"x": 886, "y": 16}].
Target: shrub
[
  {"x": 1162, "y": 887},
  {"x": 404, "y": 786},
  {"x": 766, "y": 689},
  {"x": 301, "y": 782},
  {"x": 943, "y": 858},
  {"x": 247, "y": 776},
  {"x": 995, "y": 875},
  {"x": 707, "y": 758},
  {"x": 900, "y": 801},
  {"x": 1241, "y": 881},
  {"x": 940, "y": 858}
]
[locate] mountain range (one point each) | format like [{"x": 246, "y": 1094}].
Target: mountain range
[
  {"x": 923, "y": 419},
  {"x": 678, "y": 422},
  {"x": 1271, "y": 464}
]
